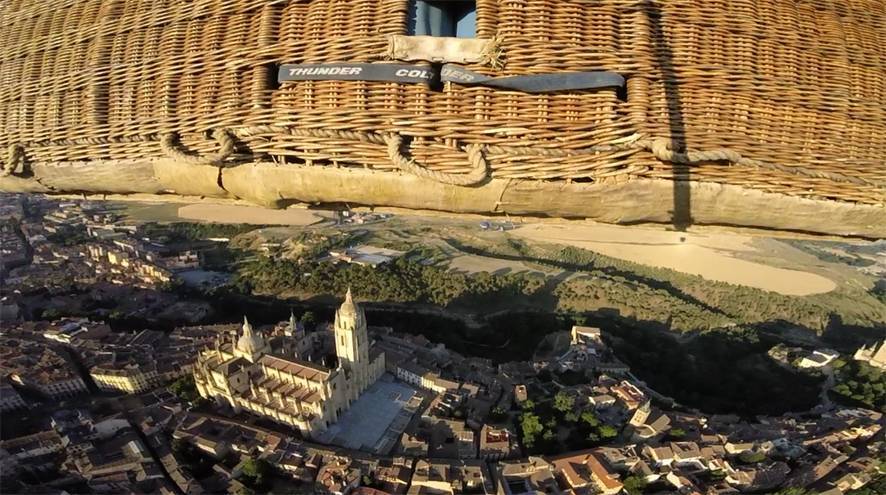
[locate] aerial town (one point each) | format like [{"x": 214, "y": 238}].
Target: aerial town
[
  {"x": 440, "y": 247},
  {"x": 351, "y": 406}
]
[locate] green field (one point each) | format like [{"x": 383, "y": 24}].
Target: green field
[{"x": 549, "y": 277}]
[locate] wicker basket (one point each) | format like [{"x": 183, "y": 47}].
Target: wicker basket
[{"x": 794, "y": 88}]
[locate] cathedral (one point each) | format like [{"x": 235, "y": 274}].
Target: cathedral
[{"x": 279, "y": 378}]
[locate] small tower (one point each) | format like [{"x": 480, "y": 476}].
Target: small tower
[
  {"x": 294, "y": 329},
  {"x": 352, "y": 345},
  {"x": 641, "y": 415},
  {"x": 250, "y": 345}
]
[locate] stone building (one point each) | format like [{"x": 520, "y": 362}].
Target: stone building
[
  {"x": 875, "y": 355},
  {"x": 278, "y": 384},
  {"x": 130, "y": 378}
]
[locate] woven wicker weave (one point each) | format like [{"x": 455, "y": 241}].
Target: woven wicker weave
[{"x": 796, "y": 87}]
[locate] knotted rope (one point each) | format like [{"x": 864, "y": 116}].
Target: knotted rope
[
  {"x": 169, "y": 145},
  {"x": 15, "y": 155},
  {"x": 479, "y": 168},
  {"x": 660, "y": 147}
]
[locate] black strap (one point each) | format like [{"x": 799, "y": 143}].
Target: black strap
[
  {"x": 406, "y": 73},
  {"x": 541, "y": 83}
]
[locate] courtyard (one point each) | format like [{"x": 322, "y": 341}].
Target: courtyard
[{"x": 375, "y": 421}]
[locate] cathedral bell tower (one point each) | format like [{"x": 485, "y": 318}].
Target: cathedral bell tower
[{"x": 352, "y": 345}]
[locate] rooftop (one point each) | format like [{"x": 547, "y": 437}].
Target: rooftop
[{"x": 304, "y": 369}]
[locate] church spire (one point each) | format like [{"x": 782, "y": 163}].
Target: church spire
[{"x": 247, "y": 328}]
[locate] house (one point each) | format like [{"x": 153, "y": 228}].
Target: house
[
  {"x": 589, "y": 336},
  {"x": 295, "y": 462},
  {"x": 874, "y": 356},
  {"x": 497, "y": 444},
  {"x": 38, "y": 367},
  {"x": 818, "y": 359},
  {"x": 642, "y": 470},
  {"x": 10, "y": 399},
  {"x": 687, "y": 454},
  {"x": 206, "y": 434},
  {"x": 738, "y": 448},
  {"x": 528, "y": 477},
  {"x": 630, "y": 395},
  {"x": 31, "y": 446},
  {"x": 648, "y": 424},
  {"x": 619, "y": 458},
  {"x": 660, "y": 456},
  {"x": 853, "y": 481},
  {"x": 393, "y": 475},
  {"x": 450, "y": 439},
  {"x": 337, "y": 476},
  {"x": 681, "y": 483},
  {"x": 520, "y": 394},
  {"x": 413, "y": 446},
  {"x": 583, "y": 470},
  {"x": 601, "y": 401},
  {"x": 443, "y": 477}
]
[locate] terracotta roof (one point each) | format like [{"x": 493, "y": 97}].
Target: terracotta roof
[
  {"x": 303, "y": 369},
  {"x": 585, "y": 468}
]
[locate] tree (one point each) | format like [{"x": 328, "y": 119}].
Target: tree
[
  {"x": 498, "y": 413},
  {"x": 677, "y": 433},
  {"x": 244, "y": 490},
  {"x": 607, "y": 431},
  {"x": 590, "y": 419},
  {"x": 752, "y": 457},
  {"x": 309, "y": 319},
  {"x": 256, "y": 471},
  {"x": 255, "y": 468},
  {"x": 51, "y": 314},
  {"x": 634, "y": 485},
  {"x": 185, "y": 388},
  {"x": 875, "y": 487},
  {"x": 564, "y": 402},
  {"x": 531, "y": 426},
  {"x": 171, "y": 285},
  {"x": 181, "y": 448},
  {"x": 792, "y": 491}
]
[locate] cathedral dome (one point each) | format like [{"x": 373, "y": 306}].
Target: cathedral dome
[
  {"x": 349, "y": 307},
  {"x": 350, "y": 314},
  {"x": 249, "y": 342}
]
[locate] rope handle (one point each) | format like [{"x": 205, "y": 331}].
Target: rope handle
[
  {"x": 15, "y": 155},
  {"x": 479, "y": 168},
  {"x": 660, "y": 147},
  {"x": 171, "y": 146}
]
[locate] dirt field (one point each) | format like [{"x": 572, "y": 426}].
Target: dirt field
[
  {"x": 711, "y": 256},
  {"x": 252, "y": 215},
  {"x": 475, "y": 264}
]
